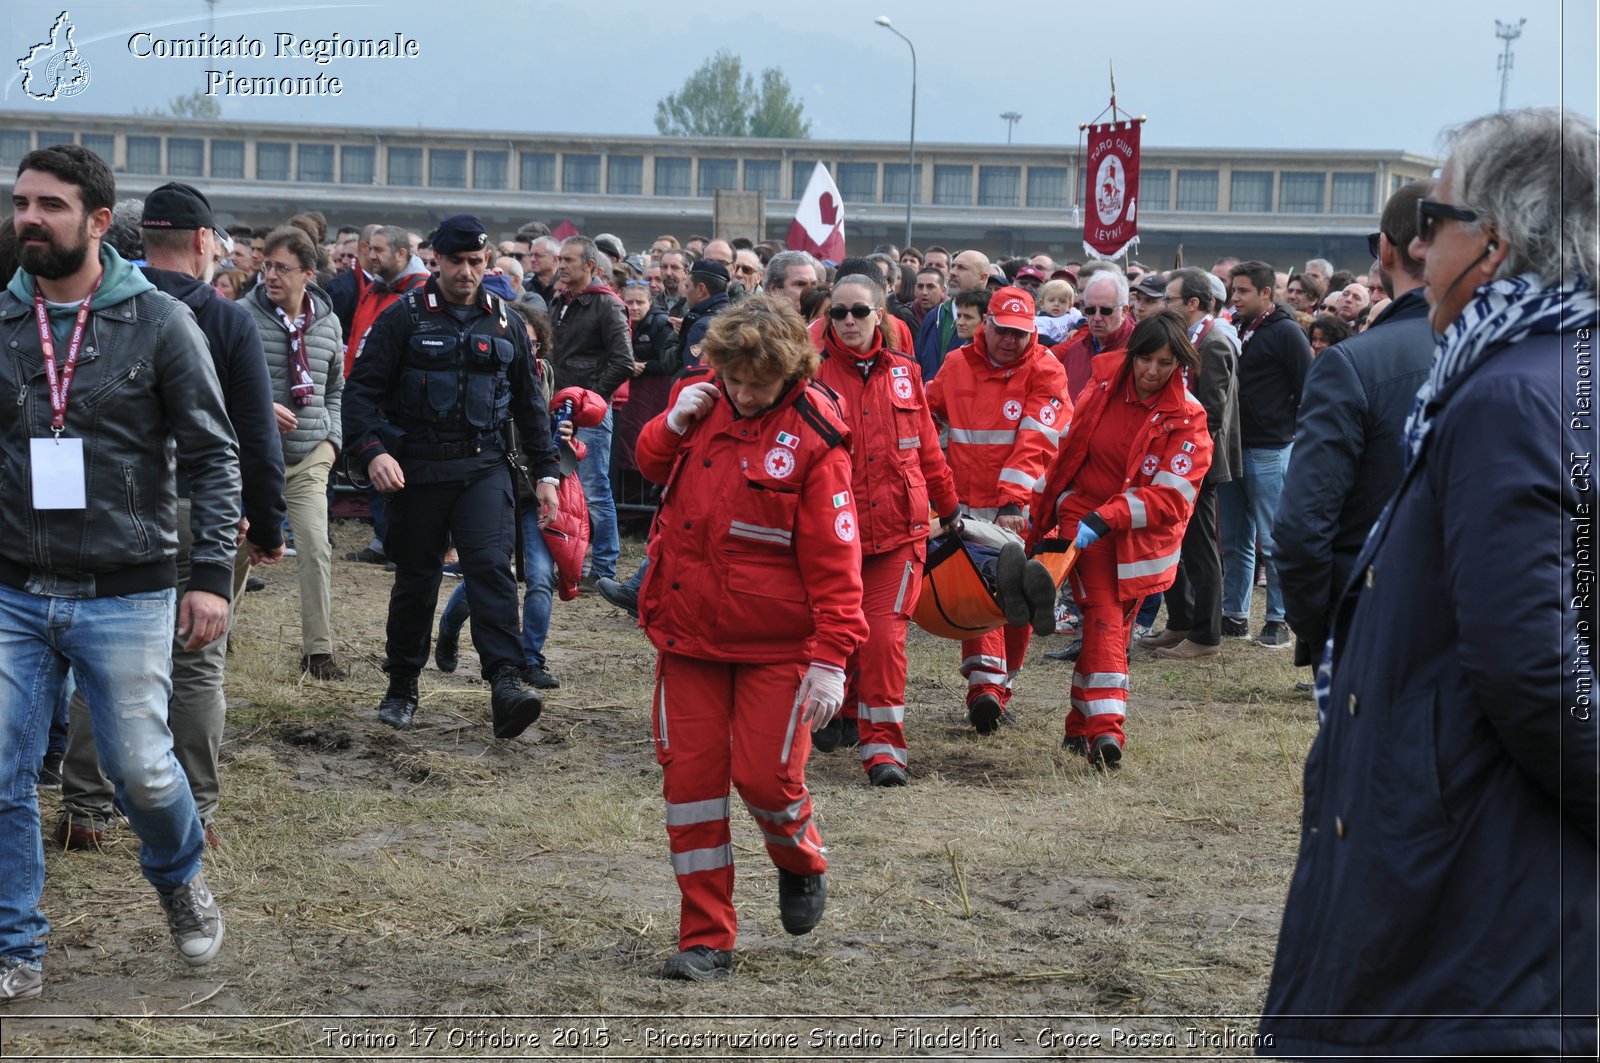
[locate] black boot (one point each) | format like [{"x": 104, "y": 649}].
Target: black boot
[
  {"x": 515, "y": 706},
  {"x": 801, "y": 899},
  {"x": 1008, "y": 569},
  {"x": 399, "y": 705},
  {"x": 447, "y": 652},
  {"x": 1039, "y": 591}
]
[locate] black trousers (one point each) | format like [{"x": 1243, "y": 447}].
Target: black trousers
[
  {"x": 479, "y": 516},
  {"x": 1194, "y": 601}
]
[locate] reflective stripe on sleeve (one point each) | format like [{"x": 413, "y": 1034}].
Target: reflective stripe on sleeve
[
  {"x": 1020, "y": 478},
  {"x": 1049, "y": 433},
  {"x": 1136, "y": 510},
  {"x": 1153, "y": 567},
  {"x": 994, "y": 437},
  {"x": 1176, "y": 482}
]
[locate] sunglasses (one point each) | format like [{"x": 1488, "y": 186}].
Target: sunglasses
[
  {"x": 860, "y": 312},
  {"x": 1429, "y": 211},
  {"x": 1103, "y": 311},
  {"x": 1372, "y": 242}
]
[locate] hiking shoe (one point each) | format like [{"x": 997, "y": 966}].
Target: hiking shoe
[
  {"x": 19, "y": 979},
  {"x": 447, "y": 652},
  {"x": 1067, "y": 621},
  {"x": 367, "y": 555},
  {"x": 536, "y": 677},
  {"x": 1069, "y": 652},
  {"x": 1039, "y": 591},
  {"x": 1106, "y": 753},
  {"x": 399, "y": 707},
  {"x": 1008, "y": 569},
  {"x": 984, "y": 712},
  {"x": 618, "y": 594},
  {"x": 801, "y": 899},
  {"x": 887, "y": 774},
  {"x": 699, "y": 963},
  {"x": 1234, "y": 628},
  {"x": 515, "y": 707},
  {"x": 73, "y": 832},
  {"x": 324, "y": 666},
  {"x": 195, "y": 919},
  {"x": 254, "y": 583},
  {"x": 1078, "y": 744},
  {"x": 849, "y": 732},
  {"x": 50, "y": 772},
  {"x": 1275, "y": 633},
  {"x": 825, "y": 739}
]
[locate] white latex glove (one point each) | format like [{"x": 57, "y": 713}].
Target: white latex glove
[
  {"x": 694, "y": 402},
  {"x": 821, "y": 695}
]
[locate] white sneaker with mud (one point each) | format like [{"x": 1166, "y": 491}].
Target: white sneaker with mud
[
  {"x": 19, "y": 980},
  {"x": 195, "y": 919}
]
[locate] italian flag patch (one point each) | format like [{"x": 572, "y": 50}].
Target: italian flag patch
[
  {"x": 1187, "y": 448},
  {"x": 841, "y": 499},
  {"x": 787, "y": 440}
]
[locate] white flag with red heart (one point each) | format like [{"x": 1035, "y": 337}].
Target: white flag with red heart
[{"x": 819, "y": 220}]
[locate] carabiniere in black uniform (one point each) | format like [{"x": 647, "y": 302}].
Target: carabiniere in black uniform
[{"x": 435, "y": 387}]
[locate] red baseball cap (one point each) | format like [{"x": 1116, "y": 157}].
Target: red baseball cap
[{"x": 1012, "y": 308}]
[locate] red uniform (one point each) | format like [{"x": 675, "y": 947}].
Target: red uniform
[
  {"x": 1003, "y": 424},
  {"x": 755, "y": 570},
  {"x": 1163, "y": 450},
  {"x": 898, "y": 470}
]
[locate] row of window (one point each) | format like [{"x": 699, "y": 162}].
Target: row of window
[{"x": 1049, "y": 187}]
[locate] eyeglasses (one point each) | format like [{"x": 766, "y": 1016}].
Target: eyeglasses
[
  {"x": 1429, "y": 211},
  {"x": 270, "y": 267},
  {"x": 1103, "y": 311},
  {"x": 860, "y": 312}
]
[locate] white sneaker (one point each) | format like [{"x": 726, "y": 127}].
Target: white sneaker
[{"x": 195, "y": 919}]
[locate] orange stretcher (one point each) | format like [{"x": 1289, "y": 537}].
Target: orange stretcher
[{"x": 956, "y": 602}]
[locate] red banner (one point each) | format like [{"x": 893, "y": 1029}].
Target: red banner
[{"x": 1110, "y": 224}]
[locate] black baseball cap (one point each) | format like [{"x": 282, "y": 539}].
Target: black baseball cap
[{"x": 176, "y": 205}]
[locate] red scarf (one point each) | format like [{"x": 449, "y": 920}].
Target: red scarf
[{"x": 833, "y": 347}]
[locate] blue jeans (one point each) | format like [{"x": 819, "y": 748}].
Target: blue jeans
[
  {"x": 1246, "y": 509},
  {"x": 540, "y": 569},
  {"x": 594, "y": 471},
  {"x": 636, "y": 580},
  {"x": 120, "y": 653}
]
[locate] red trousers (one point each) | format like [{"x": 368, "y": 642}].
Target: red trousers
[
  {"x": 1100, "y": 679},
  {"x": 991, "y": 661},
  {"x": 717, "y": 722},
  {"x": 877, "y": 670}
]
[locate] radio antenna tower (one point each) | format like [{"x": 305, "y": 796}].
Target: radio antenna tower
[{"x": 1508, "y": 33}]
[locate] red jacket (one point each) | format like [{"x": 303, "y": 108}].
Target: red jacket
[
  {"x": 567, "y": 536},
  {"x": 754, "y": 553},
  {"x": 1165, "y": 469},
  {"x": 375, "y": 299},
  {"x": 1077, "y": 354},
  {"x": 1003, "y": 422},
  {"x": 894, "y": 446}
]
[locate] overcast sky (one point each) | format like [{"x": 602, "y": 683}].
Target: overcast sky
[{"x": 1367, "y": 75}]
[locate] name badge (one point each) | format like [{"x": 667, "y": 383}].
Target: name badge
[{"x": 58, "y": 475}]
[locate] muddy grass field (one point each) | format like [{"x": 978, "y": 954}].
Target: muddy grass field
[{"x": 439, "y": 894}]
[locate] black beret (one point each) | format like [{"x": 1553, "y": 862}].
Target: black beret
[{"x": 460, "y": 232}]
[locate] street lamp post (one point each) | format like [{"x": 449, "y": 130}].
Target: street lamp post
[
  {"x": 911, "y": 150},
  {"x": 1011, "y": 119}
]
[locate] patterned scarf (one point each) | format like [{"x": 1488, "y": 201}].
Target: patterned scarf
[{"x": 1502, "y": 312}]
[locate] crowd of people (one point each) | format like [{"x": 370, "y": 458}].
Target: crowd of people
[{"x": 1098, "y": 440}]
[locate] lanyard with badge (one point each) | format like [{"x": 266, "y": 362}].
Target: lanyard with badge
[{"x": 58, "y": 470}]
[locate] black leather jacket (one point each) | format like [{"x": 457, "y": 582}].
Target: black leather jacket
[{"x": 144, "y": 380}]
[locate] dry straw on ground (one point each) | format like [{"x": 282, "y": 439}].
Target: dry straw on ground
[{"x": 441, "y": 872}]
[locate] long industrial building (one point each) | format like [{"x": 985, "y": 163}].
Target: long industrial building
[{"x": 1284, "y": 206}]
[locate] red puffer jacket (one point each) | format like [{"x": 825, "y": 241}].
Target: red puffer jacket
[
  {"x": 894, "y": 445},
  {"x": 567, "y": 537},
  {"x": 1165, "y": 469},
  {"x": 754, "y": 553},
  {"x": 1004, "y": 423}
]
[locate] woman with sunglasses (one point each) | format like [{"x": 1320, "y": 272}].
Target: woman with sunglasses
[
  {"x": 897, "y": 469},
  {"x": 1444, "y": 901},
  {"x": 1123, "y": 488}
]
